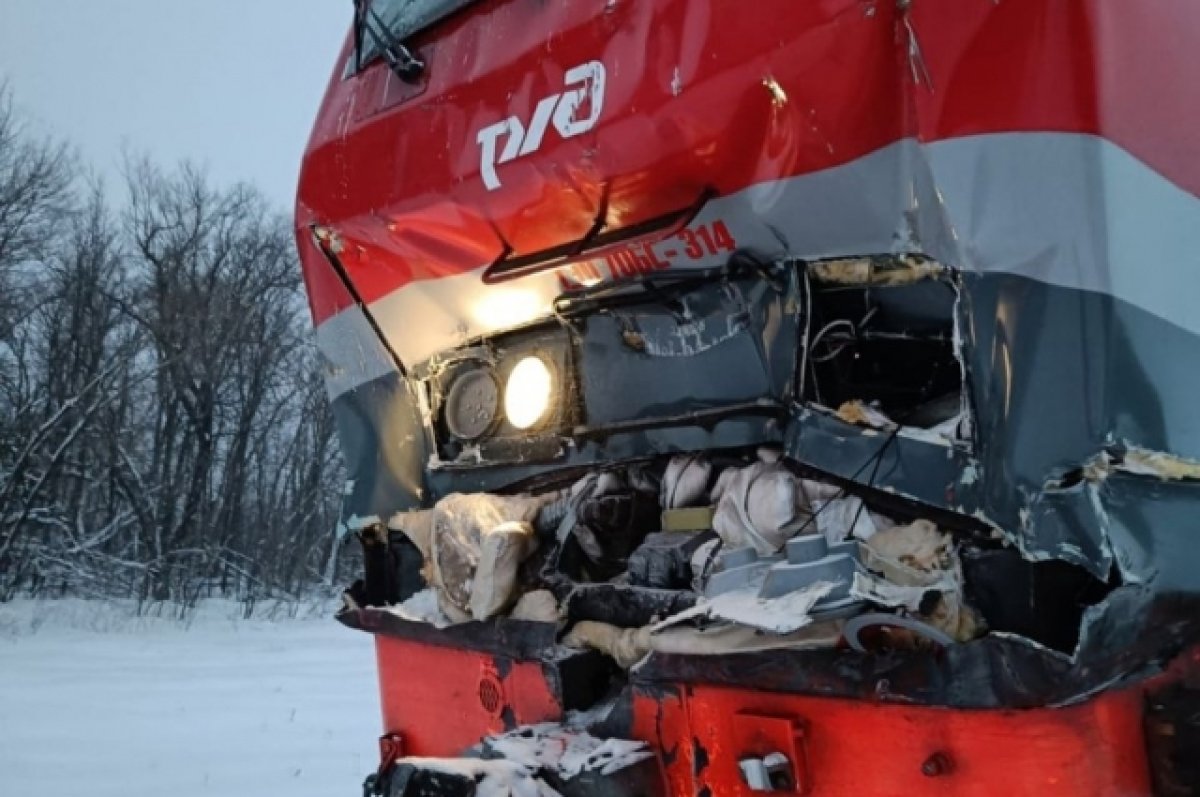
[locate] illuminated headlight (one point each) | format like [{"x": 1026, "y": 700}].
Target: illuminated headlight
[
  {"x": 471, "y": 404},
  {"x": 528, "y": 392}
]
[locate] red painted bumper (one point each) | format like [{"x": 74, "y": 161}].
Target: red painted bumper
[{"x": 439, "y": 701}]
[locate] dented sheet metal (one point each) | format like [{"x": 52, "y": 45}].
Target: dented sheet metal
[
  {"x": 882, "y": 174},
  {"x": 1120, "y": 511}
]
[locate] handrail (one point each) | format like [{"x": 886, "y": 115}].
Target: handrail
[{"x": 594, "y": 243}]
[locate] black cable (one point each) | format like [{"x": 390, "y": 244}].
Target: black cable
[
  {"x": 877, "y": 459},
  {"x": 871, "y": 481}
]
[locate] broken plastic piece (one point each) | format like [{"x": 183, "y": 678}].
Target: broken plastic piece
[
  {"x": 737, "y": 568},
  {"x": 809, "y": 560},
  {"x": 783, "y": 615},
  {"x": 565, "y": 751}
]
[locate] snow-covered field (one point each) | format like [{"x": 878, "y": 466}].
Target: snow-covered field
[{"x": 94, "y": 703}]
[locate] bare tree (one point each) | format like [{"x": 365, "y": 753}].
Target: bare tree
[
  {"x": 164, "y": 432},
  {"x": 36, "y": 177}
]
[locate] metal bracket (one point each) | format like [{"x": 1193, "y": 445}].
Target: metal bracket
[{"x": 758, "y": 736}]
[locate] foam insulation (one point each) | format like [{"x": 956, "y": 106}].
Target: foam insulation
[{"x": 903, "y": 270}]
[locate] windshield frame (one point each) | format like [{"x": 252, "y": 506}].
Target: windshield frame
[{"x": 398, "y": 20}]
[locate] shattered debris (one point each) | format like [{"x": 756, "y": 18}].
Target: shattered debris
[
  {"x": 780, "y": 615},
  {"x": 702, "y": 555},
  {"x": 783, "y": 557},
  {"x": 487, "y": 778},
  {"x": 565, "y": 751},
  {"x": 858, "y": 413},
  {"x": 907, "y": 552},
  {"x": 915, "y": 567}
]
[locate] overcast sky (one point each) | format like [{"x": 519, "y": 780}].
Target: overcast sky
[{"x": 232, "y": 84}]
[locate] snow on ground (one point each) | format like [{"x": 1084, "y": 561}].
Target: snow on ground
[{"x": 96, "y": 703}]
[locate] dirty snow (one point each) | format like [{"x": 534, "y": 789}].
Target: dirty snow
[
  {"x": 95, "y": 702},
  {"x": 421, "y": 607}
]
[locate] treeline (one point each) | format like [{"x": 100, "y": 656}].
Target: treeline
[{"x": 164, "y": 431}]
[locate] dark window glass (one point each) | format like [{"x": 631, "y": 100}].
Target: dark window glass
[{"x": 403, "y": 18}]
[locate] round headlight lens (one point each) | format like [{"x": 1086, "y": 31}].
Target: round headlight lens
[
  {"x": 527, "y": 392},
  {"x": 471, "y": 404}
]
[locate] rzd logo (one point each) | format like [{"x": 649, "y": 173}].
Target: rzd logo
[{"x": 574, "y": 111}]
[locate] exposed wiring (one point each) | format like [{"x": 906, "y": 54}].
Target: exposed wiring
[
  {"x": 807, "y": 327},
  {"x": 871, "y": 481},
  {"x": 840, "y": 322},
  {"x": 876, "y": 459}
]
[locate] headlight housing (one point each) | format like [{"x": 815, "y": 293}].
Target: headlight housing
[
  {"x": 472, "y": 404},
  {"x": 504, "y": 399}
]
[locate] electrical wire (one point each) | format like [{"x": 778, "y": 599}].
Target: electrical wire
[
  {"x": 834, "y": 324},
  {"x": 807, "y": 328},
  {"x": 876, "y": 459}
]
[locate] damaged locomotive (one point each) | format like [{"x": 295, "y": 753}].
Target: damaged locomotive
[{"x": 781, "y": 398}]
